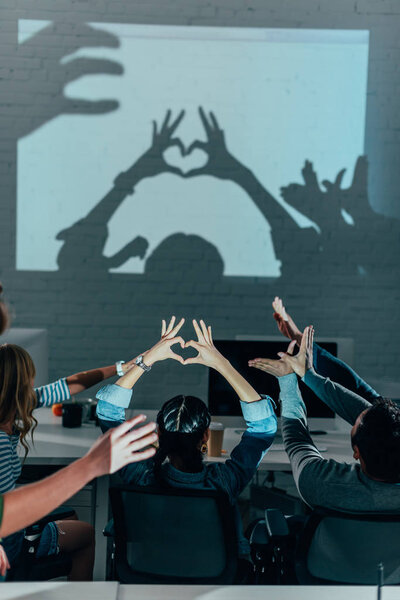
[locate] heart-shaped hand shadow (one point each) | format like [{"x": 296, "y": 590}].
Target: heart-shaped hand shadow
[{"x": 196, "y": 159}]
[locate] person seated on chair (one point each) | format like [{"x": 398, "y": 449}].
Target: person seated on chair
[
  {"x": 18, "y": 399},
  {"x": 373, "y": 485},
  {"x": 118, "y": 447},
  {"x": 22, "y": 507},
  {"x": 183, "y": 424}
]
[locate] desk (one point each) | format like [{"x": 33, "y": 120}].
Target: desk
[
  {"x": 48, "y": 590},
  {"x": 337, "y": 446},
  {"x": 56, "y": 445},
  {"x": 114, "y": 591},
  {"x": 240, "y": 592}
]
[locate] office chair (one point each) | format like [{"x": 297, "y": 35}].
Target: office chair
[
  {"x": 345, "y": 548},
  {"x": 30, "y": 568},
  {"x": 173, "y": 535}
]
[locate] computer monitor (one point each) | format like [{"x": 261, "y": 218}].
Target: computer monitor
[{"x": 222, "y": 399}]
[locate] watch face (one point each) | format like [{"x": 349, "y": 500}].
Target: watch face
[{"x": 139, "y": 360}]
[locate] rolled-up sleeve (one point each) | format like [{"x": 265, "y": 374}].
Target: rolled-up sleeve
[{"x": 112, "y": 402}]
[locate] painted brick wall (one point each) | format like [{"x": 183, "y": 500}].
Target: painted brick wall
[{"x": 95, "y": 319}]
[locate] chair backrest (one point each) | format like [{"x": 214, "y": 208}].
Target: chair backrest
[
  {"x": 173, "y": 535},
  {"x": 347, "y": 548}
]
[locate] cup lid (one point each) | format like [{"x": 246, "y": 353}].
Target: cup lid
[{"x": 216, "y": 426}]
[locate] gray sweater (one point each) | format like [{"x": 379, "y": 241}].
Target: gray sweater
[{"x": 326, "y": 482}]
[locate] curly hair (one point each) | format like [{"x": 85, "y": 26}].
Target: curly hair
[
  {"x": 182, "y": 422},
  {"x": 378, "y": 440},
  {"x": 17, "y": 398}
]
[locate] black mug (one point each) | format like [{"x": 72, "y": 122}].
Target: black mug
[{"x": 72, "y": 414}]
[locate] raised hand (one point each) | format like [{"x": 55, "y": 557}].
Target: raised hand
[
  {"x": 302, "y": 361},
  {"x": 208, "y": 355},
  {"x": 163, "y": 349},
  {"x": 276, "y": 367},
  {"x": 152, "y": 162},
  {"x": 220, "y": 162},
  {"x": 123, "y": 445},
  {"x": 285, "y": 323}
]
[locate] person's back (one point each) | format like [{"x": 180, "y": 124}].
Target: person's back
[
  {"x": 373, "y": 485},
  {"x": 183, "y": 425}
]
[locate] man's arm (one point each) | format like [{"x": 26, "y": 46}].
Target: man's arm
[
  {"x": 327, "y": 365},
  {"x": 342, "y": 401},
  {"x": 320, "y": 482},
  {"x": 296, "y": 436}
]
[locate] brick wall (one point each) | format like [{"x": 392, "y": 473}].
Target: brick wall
[{"x": 96, "y": 319}]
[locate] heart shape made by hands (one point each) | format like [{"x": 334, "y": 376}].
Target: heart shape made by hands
[
  {"x": 196, "y": 159},
  {"x": 186, "y": 352}
]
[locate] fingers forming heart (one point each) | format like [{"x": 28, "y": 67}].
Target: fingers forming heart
[{"x": 185, "y": 159}]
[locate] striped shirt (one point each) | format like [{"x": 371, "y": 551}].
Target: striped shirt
[{"x": 10, "y": 463}]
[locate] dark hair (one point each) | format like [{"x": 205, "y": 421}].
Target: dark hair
[
  {"x": 378, "y": 440},
  {"x": 182, "y": 422}
]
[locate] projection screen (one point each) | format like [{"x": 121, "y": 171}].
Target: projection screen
[{"x": 280, "y": 96}]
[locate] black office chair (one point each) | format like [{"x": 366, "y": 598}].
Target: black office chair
[
  {"x": 343, "y": 548},
  {"x": 173, "y": 535},
  {"x": 30, "y": 568}
]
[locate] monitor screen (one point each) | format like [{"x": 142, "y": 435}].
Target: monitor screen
[{"x": 223, "y": 401}]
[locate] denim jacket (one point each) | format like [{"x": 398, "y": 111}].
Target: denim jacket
[{"x": 232, "y": 476}]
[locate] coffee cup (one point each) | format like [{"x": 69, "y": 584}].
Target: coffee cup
[
  {"x": 214, "y": 444},
  {"x": 72, "y": 414}
]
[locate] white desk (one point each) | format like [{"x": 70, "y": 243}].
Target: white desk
[
  {"x": 239, "y": 592},
  {"x": 114, "y": 591},
  {"x": 337, "y": 444},
  {"x": 48, "y": 590}
]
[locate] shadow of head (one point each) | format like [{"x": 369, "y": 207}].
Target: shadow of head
[{"x": 185, "y": 257}]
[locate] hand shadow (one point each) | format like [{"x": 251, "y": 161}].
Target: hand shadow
[{"x": 54, "y": 74}]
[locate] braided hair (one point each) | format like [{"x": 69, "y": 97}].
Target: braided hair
[{"x": 182, "y": 422}]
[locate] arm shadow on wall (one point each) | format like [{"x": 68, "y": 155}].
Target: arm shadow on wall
[{"x": 344, "y": 241}]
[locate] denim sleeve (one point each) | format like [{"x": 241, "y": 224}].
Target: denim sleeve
[
  {"x": 261, "y": 423},
  {"x": 327, "y": 365},
  {"x": 113, "y": 400}
]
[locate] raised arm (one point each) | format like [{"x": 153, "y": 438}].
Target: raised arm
[
  {"x": 324, "y": 362},
  {"x": 112, "y": 451},
  {"x": 343, "y": 402},
  {"x": 114, "y": 399},
  {"x": 257, "y": 410},
  {"x": 309, "y": 468}
]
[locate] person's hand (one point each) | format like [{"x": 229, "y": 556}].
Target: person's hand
[
  {"x": 275, "y": 367},
  {"x": 207, "y": 355},
  {"x": 285, "y": 323},
  {"x": 163, "y": 349},
  {"x": 121, "y": 446},
  {"x": 4, "y": 564},
  {"x": 220, "y": 162},
  {"x": 301, "y": 362},
  {"x": 152, "y": 162}
]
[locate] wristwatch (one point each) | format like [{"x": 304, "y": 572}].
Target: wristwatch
[
  {"x": 139, "y": 362},
  {"x": 118, "y": 367}
]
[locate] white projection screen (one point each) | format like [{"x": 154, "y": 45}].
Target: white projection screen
[{"x": 281, "y": 96}]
